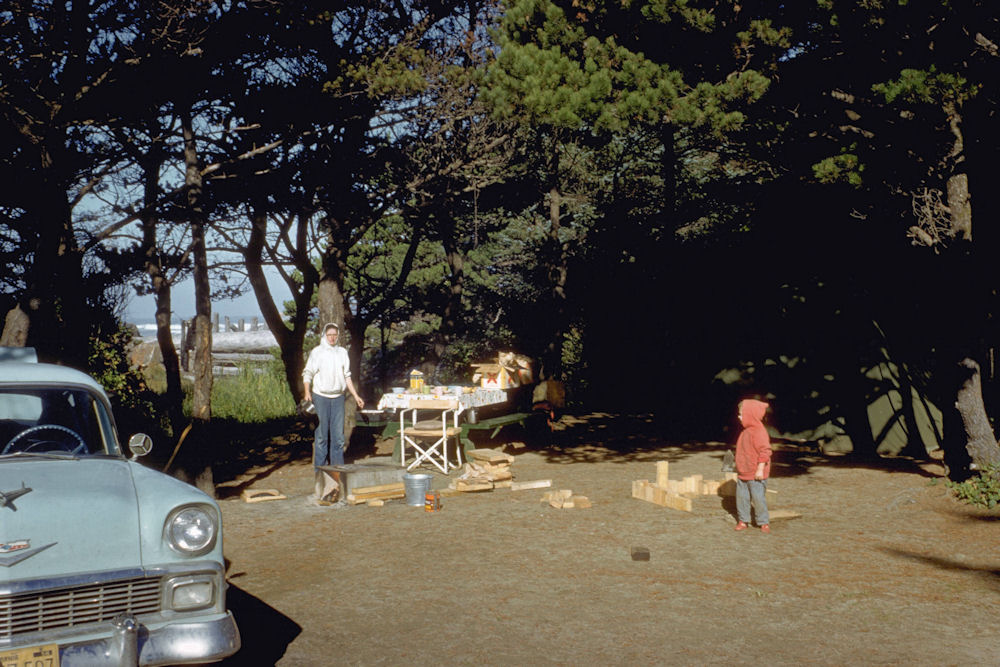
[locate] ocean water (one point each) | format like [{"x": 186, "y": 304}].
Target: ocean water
[
  {"x": 222, "y": 341},
  {"x": 147, "y": 327}
]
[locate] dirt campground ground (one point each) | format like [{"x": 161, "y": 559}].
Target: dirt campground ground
[{"x": 882, "y": 567}]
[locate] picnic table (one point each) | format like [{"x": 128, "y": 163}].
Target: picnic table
[{"x": 469, "y": 399}]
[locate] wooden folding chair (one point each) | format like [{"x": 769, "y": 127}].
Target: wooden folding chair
[{"x": 430, "y": 439}]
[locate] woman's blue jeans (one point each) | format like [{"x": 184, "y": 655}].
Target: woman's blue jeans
[
  {"x": 753, "y": 492},
  {"x": 328, "y": 448}
]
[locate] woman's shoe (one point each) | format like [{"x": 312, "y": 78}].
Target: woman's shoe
[
  {"x": 740, "y": 526},
  {"x": 766, "y": 528}
]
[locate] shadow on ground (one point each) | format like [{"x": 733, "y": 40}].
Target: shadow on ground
[
  {"x": 585, "y": 438},
  {"x": 265, "y": 631}
]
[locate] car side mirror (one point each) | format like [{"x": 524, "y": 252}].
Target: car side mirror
[{"x": 140, "y": 444}]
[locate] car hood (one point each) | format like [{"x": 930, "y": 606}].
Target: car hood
[{"x": 80, "y": 515}]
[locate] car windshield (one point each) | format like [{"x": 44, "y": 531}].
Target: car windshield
[{"x": 54, "y": 420}]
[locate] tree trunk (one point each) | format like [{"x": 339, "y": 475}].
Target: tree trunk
[
  {"x": 59, "y": 329},
  {"x": 959, "y": 201},
  {"x": 330, "y": 301},
  {"x": 960, "y": 205},
  {"x": 981, "y": 444},
  {"x": 290, "y": 339},
  {"x": 551, "y": 367},
  {"x": 198, "y": 455},
  {"x": 15, "y": 328},
  {"x": 201, "y": 404},
  {"x": 333, "y": 308},
  {"x": 451, "y": 322},
  {"x": 161, "y": 296}
]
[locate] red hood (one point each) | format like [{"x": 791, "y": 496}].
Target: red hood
[{"x": 752, "y": 412}]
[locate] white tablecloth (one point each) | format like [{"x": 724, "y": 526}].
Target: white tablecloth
[{"x": 475, "y": 399}]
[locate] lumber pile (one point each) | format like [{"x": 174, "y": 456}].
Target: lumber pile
[
  {"x": 677, "y": 493},
  {"x": 376, "y": 496},
  {"x": 485, "y": 470}
]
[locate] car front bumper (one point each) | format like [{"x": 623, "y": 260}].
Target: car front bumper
[{"x": 131, "y": 643}]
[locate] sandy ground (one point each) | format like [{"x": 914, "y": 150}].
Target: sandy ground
[{"x": 882, "y": 568}]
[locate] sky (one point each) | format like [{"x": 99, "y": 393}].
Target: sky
[{"x": 142, "y": 310}]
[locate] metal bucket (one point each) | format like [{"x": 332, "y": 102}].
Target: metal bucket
[{"x": 416, "y": 486}]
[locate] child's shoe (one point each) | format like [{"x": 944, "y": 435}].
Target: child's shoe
[
  {"x": 740, "y": 526},
  {"x": 766, "y": 528}
]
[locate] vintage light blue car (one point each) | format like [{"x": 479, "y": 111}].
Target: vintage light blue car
[{"x": 102, "y": 560}]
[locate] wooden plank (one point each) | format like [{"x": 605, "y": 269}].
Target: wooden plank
[
  {"x": 388, "y": 493},
  {"x": 581, "y": 501},
  {"x": 361, "y": 490},
  {"x": 678, "y": 503},
  {"x": 385, "y": 495},
  {"x": 464, "y": 486},
  {"x": 260, "y": 495},
  {"x": 657, "y": 495},
  {"x": 533, "y": 484},
  {"x": 489, "y": 456},
  {"x": 662, "y": 473},
  {"x": 779, "y": 515},
  {"x": 433, "y": 403},
  {"x": 691, "y": 484},
  {"x": 500, "y": 475},
  {"x": 649, "y": 493},
  {"x": 451, "y": 432},
  {"x": 501, "y": 420}
]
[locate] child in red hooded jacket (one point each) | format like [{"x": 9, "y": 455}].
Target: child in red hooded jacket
[{"x": 753, "y": 465}]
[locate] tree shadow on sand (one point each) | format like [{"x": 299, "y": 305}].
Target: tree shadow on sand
[
  {"x": 643, "y": 438},
  {"x": 990, "y": 576}
]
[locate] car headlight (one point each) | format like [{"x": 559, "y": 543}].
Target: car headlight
[
  {"x": 191, "y": 530},
  {"x": 190, "y": 592}
]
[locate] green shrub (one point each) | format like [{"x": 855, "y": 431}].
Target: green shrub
[
  {"x": 254, "y": 395},
  {"x": 136, "y": 406},
  {"x": 982, "y": 490}
]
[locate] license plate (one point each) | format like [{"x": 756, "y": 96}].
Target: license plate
[{"x": 34, "y": 656}]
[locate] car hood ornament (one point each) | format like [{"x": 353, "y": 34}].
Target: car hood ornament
[{"x": 7, "y": 498}]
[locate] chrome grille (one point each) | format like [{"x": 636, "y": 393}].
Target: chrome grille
[{"x": 78, "y": 605}]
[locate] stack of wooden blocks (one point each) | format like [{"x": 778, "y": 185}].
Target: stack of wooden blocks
[
  {"x": 676, "y": 494},
  {"x": 565, "y": 499},
  {"x": 486, "y": 469}
]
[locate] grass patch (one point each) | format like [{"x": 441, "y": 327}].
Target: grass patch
[{"x": 257, "y": 394}]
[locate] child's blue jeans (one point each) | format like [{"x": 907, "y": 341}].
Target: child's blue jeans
[{"x": 752, "y": 492}]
